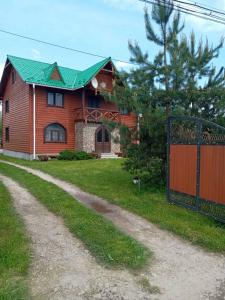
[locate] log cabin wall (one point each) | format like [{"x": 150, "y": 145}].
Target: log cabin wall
[{"x": 17, "y": 118}]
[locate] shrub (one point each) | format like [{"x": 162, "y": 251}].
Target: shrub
[
  {"x": 82, "y": 155},
  {"x": 66, "y": 155},
  {"x": 74, "y": 155},
  {"x": 153, "y": 174},
  {"x": 150, "y": 169}
]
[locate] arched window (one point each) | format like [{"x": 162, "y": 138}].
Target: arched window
[{"x": 55, "y": 133}]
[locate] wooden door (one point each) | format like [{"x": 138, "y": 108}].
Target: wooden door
[{"x": 102, "y": 140}]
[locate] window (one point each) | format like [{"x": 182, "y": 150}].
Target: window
[
  {"x": 51, "y": 99},
  {"x": 7, "y": 106},
  {"x": 7, "y": 134},
  {"x": 13, "y": 77},
  {"x": 55, "y": 133},
  {"x": 93, "y": 102},
  {"x": 58, "y": 99},
  {"x": 124, "y": 111},
  {"x": 55, "y": 99}
]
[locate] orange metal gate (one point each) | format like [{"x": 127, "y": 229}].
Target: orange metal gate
[{"x": 196, "y": 165}]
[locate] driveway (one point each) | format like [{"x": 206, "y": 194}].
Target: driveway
[{"x": 180, "y": 269}]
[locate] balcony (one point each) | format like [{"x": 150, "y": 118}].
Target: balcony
[{"x": 96, "y": 115}]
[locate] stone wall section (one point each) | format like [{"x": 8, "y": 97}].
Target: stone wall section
[
  {"x": 85, "y": 137},
  {"x": 115, "y": 141}
]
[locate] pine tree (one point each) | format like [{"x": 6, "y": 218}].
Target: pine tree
[
  {"x": 180, "y": 79},
  {"x": 162, "y": 13}
]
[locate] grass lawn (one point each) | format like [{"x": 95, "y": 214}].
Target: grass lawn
[
  {"x": 106, "y": 179},
  {"x": 14, "y": 251},
  {"x": 107, "y": 243}
]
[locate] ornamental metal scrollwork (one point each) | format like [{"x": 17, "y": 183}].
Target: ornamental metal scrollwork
[{"x": 180, "y": 134}]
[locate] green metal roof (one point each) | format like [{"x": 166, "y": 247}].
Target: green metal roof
[{"x": 39, "y": 73}]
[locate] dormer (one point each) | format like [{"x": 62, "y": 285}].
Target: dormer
[{"x": 52, "y": 72}]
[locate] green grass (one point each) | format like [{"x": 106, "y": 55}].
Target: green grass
[
  {"x": 106, "y": 179},
  {"x": 109, "y": 245},
  {"x": 14, "y": 251}
]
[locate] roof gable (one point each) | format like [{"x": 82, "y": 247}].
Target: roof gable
[
  {"x": 53, "y": 75},
  {"x": 53, "y": 72}
]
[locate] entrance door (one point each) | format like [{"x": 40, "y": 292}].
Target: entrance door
[{"x": 102, "y": 140}]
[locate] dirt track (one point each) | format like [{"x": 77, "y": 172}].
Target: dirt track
[
  {"x": 61, "y": 266},
  {"x": 180, "y": 270}
]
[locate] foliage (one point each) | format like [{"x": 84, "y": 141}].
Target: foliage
[
  {"x": 149, "y": 169},
  {"x": 125, "y": 135},
  {"x": 106, "y": 179},
  {"x": 74, "y": 155},
  {"x": 181, "y": 71},
  {"x": 107, "y": 243},
  {"x": 180, "y": 79},
  {"x": 14, "y": 251}
]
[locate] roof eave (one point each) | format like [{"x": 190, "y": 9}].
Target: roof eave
[{"x": 55, "y": 87}]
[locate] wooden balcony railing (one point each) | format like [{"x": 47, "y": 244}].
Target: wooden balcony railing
[{"x": 96, "y": 115}]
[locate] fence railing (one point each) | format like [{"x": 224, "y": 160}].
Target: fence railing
[{"x": 89, "y": 114}]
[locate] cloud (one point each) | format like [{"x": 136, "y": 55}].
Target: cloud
[
  {"x": 125, "y": 4},
  {"x": 35, "y": 53},
  {"x": 122, "y": 66}
]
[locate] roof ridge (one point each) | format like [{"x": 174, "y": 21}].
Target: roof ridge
[
  {"x": 8, "y": 55},
  {"x": 99, "y": 62},
  {"x": 43, "y": 62}
]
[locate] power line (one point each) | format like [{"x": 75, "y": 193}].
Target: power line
[
  {"x": 184, "y": 9},
  {"x": 202, "y": 12},
  {"x": 62, "y": 47},
  {"x": 199, "y": 5},
  {"x": 206, "y": 14}
]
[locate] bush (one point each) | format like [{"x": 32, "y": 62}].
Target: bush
[
  {"x": 150, "y": 169},
  {"x": 74, "y": 155},
  {"x": 153, "y": 174}
]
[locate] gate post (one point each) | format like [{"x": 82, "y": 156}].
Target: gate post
[{"x": 198, "y": 171}]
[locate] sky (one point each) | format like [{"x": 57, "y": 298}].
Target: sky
[{"x": 98, "y": 26}]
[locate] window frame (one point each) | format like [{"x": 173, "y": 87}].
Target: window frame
[
  {"x": 7, "y": 134},
  {"x": 54, "y": 99},
  {"x": 55, "y": 130},
  {"x": 6, "y": 106}
]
